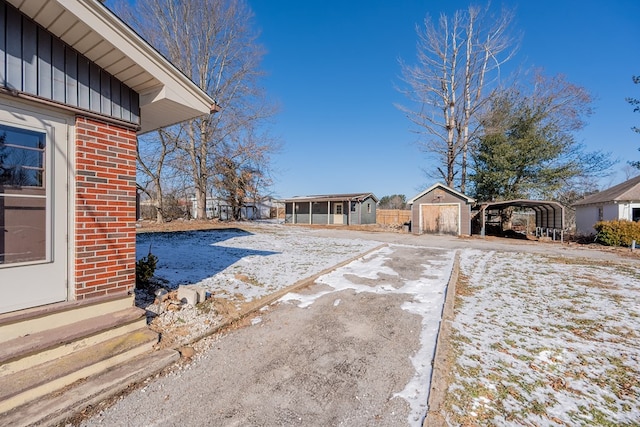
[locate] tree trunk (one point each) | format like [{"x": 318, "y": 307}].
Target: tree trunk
[{"x": 159, "y": 202}]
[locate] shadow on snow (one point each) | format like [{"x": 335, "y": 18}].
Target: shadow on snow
[{"x": 188, "y": 257}]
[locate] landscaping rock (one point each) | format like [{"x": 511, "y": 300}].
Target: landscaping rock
[
  {"x": 187, "y": 295},
  {"x": 186, "y": 351}
]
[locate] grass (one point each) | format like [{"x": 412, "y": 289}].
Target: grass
[{"x": 545, "y": 341}]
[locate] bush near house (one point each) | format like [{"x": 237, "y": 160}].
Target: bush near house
[
  {"x": 617, "y": 232},
  {"x": 145, "y": 268}
]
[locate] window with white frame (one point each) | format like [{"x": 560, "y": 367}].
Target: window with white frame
[{"x": 23, "y": 200}]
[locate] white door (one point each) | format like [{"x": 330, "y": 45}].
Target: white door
[
  {"x": 34, "y": 165},
  {"x": 337, "y": 214}
]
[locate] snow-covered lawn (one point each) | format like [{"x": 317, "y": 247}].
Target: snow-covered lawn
[
  {"x": 242, "y": 264},
  {"x": 235, "y": 267},
  {"x": 545, "y": 341}
]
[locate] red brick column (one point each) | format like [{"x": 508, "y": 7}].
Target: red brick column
[{"x": 105, "y": 233}]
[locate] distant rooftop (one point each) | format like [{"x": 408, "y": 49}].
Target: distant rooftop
[
  {"x": 625, "y": 191},
  {"x": 355, "y": 197}
]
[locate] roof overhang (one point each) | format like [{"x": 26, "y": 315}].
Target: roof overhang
[
  {"x": 444, "y": 187},
  {"x": 167, "y": 96},
  {"x": 332, "y": 198}
]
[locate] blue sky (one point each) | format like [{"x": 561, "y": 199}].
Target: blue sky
[{"x": 332, "y": 66}]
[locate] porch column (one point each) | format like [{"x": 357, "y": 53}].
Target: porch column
[
  {"x": 293, "y": 212},
  {"x": 328, "y": 212},
  {"x": 310, "y": 213}
]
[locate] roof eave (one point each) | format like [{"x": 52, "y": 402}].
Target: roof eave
[
  {"x": 445, "y": 187},
  {"x": 167, "y": 96}
]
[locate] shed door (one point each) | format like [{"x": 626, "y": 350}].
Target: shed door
[
  {"x": 440, "y": 219},
  {"x": 33, "y": 209}
]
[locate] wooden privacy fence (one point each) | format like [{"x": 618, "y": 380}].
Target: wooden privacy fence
[{"x": 392, "y": 216}]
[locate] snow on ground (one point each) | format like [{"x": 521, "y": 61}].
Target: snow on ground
[
  {"x": 427, "y": 294},
  {"x": 538, "y": 340},
  {"x": 250, "y": 265},
  {"x": 235, "y": 267},
  {"x": 241, "y": 266},
  {"x": 545, "y": 341}
]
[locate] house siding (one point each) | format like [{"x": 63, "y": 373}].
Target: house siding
[
  {"x": 588, "y": 215},
  {"x": 610, "y": 212},
  {"x": 625, "y": 210},
  {"x": 105, "y": 233},
  {"x": 35, "y": 62},
  {"x": 360, "y": 215},
  {"x": 441, "y": 196}
]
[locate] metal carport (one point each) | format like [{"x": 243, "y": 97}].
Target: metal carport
[{"x": 549, "y": 215}]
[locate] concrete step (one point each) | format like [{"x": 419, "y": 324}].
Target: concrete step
[
  {"x": 32, "y": 320},
  {"x": 34, "y": 349},
  {"x": 26, "y": 385},
  {"x": 55, "y": 408}
]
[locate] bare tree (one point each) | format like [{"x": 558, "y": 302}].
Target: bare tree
[
  {"x": 153, "y": 154},
  {"x": 241, "y": 171},
  {"x": 214, "y": 43},
  {"x": 458, "y": 59}
]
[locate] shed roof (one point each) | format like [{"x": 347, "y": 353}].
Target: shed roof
[
  {"x": 352, "y": 197},
  {"x": 444, "y": 187},
  {"x": 167, "y": 96},
  {"x": 625, "y": 191}
]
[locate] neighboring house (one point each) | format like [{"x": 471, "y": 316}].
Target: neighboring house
[
  {"x": 441, "y": 210},
  {"x": 331, "y": 209},
  {"x": 621, "y": 201},
  {"x": 221, "y": 209},
  {"x": 77, "y": 86}
]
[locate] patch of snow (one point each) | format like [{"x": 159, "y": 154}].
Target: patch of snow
[{"x": 428, "y": 298}]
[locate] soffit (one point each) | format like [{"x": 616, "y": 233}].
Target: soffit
[{"x": 167, "y": 96}]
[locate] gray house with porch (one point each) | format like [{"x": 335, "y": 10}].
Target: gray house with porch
[{"x": 331, "y": 209}]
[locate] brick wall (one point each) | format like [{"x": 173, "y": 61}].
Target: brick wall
[{"x": 105, "y": 209}]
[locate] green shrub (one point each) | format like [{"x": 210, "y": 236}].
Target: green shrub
[
  {"x": 145, "y": 268},
  {"x": 617, "y": 232}
]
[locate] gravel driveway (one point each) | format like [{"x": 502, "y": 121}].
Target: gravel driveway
[{"x": 354, "y": 348}]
